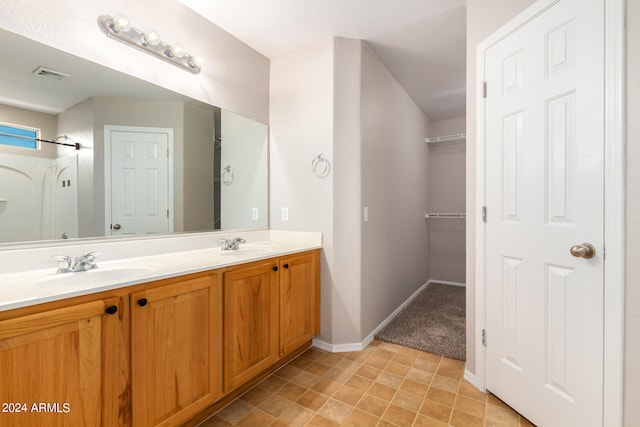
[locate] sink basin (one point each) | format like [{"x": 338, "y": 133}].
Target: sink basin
[
  {"x": 101, "y": 274},
  {"x": 248, "y": 252}
]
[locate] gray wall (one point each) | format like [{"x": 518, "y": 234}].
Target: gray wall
[
  {"x": 447, "y": 195},
  {"x": 198, "y": 175},
  {"x": 301, "y": 126},
  {"x": 336, "y": 98},
  {"x": 632, "y": 290},
  {"x": 395, "y": 183}
]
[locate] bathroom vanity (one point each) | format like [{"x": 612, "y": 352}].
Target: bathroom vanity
[{"x": 165, "y": 348}]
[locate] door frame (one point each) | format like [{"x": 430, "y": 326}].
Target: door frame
[
  {"x": 107, "y": 170},
  {"x": 614, "y": 210}
]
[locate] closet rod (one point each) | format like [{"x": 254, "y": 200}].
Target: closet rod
[
  {"x": 444, "y": 215},
  {"x": 446, "y": 138}
]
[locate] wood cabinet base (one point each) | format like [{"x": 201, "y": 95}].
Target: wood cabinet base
[
  {"x": 163, "y": 353},
  {"x": 246, "y": 386}
]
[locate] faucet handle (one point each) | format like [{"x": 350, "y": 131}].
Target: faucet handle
[
  {"x": 90, "y": 258},
  {"x": 64, "y": 262}
]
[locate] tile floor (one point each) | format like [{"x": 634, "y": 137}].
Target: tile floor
[{"x": 383, "y": 385}]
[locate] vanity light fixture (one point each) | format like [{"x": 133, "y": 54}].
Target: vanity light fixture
[{"x": 120, "y": 29}]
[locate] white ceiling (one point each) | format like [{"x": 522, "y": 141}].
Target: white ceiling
[{"x": 421, "y": 42}]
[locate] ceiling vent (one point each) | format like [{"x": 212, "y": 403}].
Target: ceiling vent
[{"x": 50, "y": 74}]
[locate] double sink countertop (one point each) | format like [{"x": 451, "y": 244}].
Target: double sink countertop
[{"x": 40, "y": 285}]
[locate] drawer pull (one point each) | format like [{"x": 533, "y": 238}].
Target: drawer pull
[
  {"x": 112, "y": 309},
  {"x": 142, "y": 302},
  {"x": 274, "y": 268}
]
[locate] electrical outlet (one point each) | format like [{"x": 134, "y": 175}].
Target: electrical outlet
[
  {"x": 254, "y": 214},
  {"x": 285, "y": 214}
]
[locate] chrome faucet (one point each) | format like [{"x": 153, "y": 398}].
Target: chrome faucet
[
  {"x": 81, "y": 263},
  {"x": 231, "y": 244}
]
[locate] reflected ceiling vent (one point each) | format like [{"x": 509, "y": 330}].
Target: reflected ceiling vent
[{"x": 50, "y": 74}]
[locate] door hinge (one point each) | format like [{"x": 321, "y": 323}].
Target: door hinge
[
  {"x": 484, "y": 214},
  {"x": 484, "y": 89},
  {"x": 484, "y": 337},
  {"x": 167, "y": 213}
]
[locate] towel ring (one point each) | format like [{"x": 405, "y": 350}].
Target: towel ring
[
  {"x": 321, "y": 166},
  {"x": 227, "y": 175}
]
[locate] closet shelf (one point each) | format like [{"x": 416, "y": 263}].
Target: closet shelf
[
  {"x": 447, "y": 138},
  {"x": 444, "y": 215}
]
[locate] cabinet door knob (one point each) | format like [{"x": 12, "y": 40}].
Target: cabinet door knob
[
  {"x": 275, "y": 268},
  {"x": 142, "y": 302},
  {"x": 112, "y": 309},
  {"x": 286, "y": 266}
]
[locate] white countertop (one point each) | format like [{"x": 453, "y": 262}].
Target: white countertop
[{"x": 31, "y": 287}]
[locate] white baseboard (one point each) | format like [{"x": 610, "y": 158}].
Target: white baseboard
[
  {"x": 446, "y": 282},
  {"x": 359, "y": 346},
  {"x": 339, "y": 348},
  {"x": 473, "y": 380},
  {"x": 322, "y": 345}
]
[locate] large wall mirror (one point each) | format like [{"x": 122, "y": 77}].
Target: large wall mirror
[{"x": 151, "y": 161}]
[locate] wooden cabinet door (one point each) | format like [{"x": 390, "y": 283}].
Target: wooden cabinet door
[
  {"x": 250, "y": 322},
  {"x": 51, "y": 367},
  {"x": 299, "y": 301},
  {"x": 176, "y": 338}
]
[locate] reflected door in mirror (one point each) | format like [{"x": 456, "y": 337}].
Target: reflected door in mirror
[{"x": 140, "y": 196}]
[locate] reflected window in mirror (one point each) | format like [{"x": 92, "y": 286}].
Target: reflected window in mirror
[{"x": 13, "y": 135}]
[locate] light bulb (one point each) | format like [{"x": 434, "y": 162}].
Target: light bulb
[
  {"x": 175, "y": 51},
  {"x": 196, "y": 62},
  {"x": 151, "y": 37},
  {"x": 121, "y": 23}
]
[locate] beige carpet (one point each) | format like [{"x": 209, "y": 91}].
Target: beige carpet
[{"x": 433, "y": 322}]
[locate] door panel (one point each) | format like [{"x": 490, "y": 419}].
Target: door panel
[
  {"x": 52, "y": 367},
  {"x": 250, "y": 322},
  {"x": 544, "y": 121},
  {"x": 175, "y": 351},
  {"x": 297, "y": 301}
]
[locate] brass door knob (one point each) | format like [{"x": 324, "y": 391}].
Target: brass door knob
[
  {"x": 117, "y": 226},
  {"x": 584, "y": 250}
]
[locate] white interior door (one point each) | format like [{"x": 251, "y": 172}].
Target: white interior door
[
  {"x": 544, "y": 136},
  {"x": 138, "y": 192}
]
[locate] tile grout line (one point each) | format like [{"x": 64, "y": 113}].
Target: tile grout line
[{"x": 347, "y": 369}]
